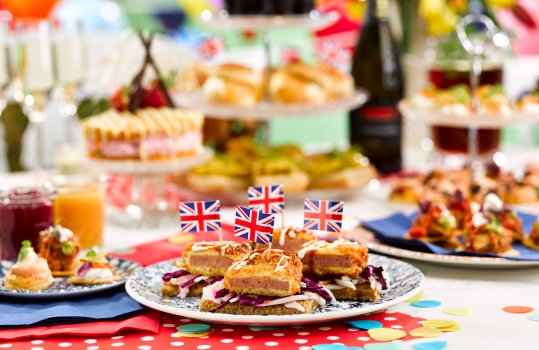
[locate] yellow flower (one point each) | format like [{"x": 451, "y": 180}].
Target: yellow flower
[
  {"x": 444, "y": 24},
  {"x": 501, "y": 3},
  {"x": 432, "y": 9}
]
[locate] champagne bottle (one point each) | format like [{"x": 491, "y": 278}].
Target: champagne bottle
[{"x": 376, "y": 126}]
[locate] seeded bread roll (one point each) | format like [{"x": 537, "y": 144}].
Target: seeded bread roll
[{"x": 233, "y": 84}]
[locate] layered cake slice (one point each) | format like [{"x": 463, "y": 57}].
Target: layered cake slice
[
  {"x": 265, "y": 283},
  {"x": 146, "y": 134},
  {"x": 342, "y": 267},
  {"x": 202, "y": 263}
]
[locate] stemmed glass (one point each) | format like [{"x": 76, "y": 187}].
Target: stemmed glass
[
  {"x": 34, "y": 76},
  {"x": 68, "y": 61},
  {"x": 5, "y": 71}
]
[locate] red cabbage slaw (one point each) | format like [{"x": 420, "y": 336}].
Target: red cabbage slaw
[
  {"x": 182, "y": 272},
  {"x": 377, "y": 272},
  {"x": 84, "y": 268},
  {"x": 246, "y": 300}
]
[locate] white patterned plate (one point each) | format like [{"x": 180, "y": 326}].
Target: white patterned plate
[
  {"x": 60, "y": 288},
  {"x": 405, "y": 281}
]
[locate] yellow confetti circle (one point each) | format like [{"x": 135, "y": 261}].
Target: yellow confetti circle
[
  {"x": 416, "y": 297},
  {"x": 442, "y": 325},
  {"x": 424, "y": 332},
  {"x": 386, "y": 334},
  {"x": 458, "y": 311}
]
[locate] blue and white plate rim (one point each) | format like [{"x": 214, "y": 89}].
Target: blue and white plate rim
[{"x": 361, "y": 309}]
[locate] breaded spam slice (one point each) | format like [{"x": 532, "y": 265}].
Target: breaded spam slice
[
  {"x": 290, "y": 239},
  {"x": 213, "y": 258},
  {"x": 263, "y": 272},
  {"x": 236, "y": 309},
  {"x": 341, "y": 257}
]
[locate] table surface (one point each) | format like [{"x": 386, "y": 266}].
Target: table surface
[{"x": 487, "y": 292}]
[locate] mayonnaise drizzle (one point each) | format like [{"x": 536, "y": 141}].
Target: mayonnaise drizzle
[{"x": 280, "y": 265}]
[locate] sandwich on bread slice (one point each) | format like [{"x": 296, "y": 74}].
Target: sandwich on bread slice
[
  {"x": 265, "y": 282},
  {"x": 342, "y": 267},
  {"x": 202, "y": 263},
  {"x": 290, "y": 238}
]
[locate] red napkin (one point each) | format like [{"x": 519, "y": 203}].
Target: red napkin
[
  {"x": 147, "y": 323},
  {"x": 171, "y": 248}
]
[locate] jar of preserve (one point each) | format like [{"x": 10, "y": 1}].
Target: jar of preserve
[{"x": 24, "y": 212}]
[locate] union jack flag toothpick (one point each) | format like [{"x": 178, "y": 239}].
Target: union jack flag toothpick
[
  {"x": 322, "y": 215},
  {"x": 253, "y": 225},
  {"x": 203, "y": 216}
]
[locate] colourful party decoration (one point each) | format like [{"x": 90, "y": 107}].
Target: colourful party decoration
[
  {"x": 29, "y": 9},
  {"x": 425, "y": 332},
  {"x": 386, "y": 334},
  {"x": 425, "y": 304},
  {"x": 194, "y": 328},
  {"x": 442, "y": 325},
  {"x": 416, "y": 297},
  {"x": 433, "y": 345},
  {"x": 365, "y": 324},
  {"x": 458, "y": 311},
  {"x": 518, "y": 309}
]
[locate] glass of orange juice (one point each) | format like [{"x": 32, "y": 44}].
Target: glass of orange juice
[{"x": 80, "y": 207}]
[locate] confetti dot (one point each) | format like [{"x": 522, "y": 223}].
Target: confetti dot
[
  {"x": 117, "y": 344},
  {"x": 37, "y": 348},
  {"x": 93, "y": 347},
  {"x": 363, "y": 338},
  {"x": 303, "y": 333},
  {"x": 263, "y": 328},
  {"x": 432, "y": 345},
  {"x": 145, "y": 347},
  {"x": 534, "y": 317},
  {"x": 193, "y": 328},
  {"x": 386, "y": 334},
  {"x": 426, "y": 303},
  {"x": 300, "y": 341},
  {"x": 383, "y": 346},
  {"x": 90, "y": 341},
  {"x": 396, "y": 326},
  {"x": 278, "y": 334},
  {"x": 117, "y": 337},
  {"x": 242, "y": 347},
  {"x": 329, "y": 347},
  {"x": 365, "y": 324},
  {"x": 458, "y": 311},
  {"x": 442, "y": 325},
  {"x": 247, "y": 337},
  {"x": 424, "y": 332},
  {"x": 177, "y": 343},
  {"x": 271, "y": 343},
  {"x": 390, "y": 319},
  {"x": 203, "y": 347},
  {"x": 324, "y": 328},
  {"x": 37, "y": 342},
  {"x": 227, "y": 341},
  {"x": 227, "y": 330},
  {"x": 518, "y": 309},
  {"x": 64, "y": 345},
  {"x": 148, "y": 338}
]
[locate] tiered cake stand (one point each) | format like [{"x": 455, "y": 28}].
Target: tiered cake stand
[{"x": 265, "y": 110}]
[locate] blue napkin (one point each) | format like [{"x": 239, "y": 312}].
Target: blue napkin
[
  {"x": 392, "y": 229},
  {"x": 113, "y": 304}
]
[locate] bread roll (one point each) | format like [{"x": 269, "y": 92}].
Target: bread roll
[{"x": 234, "y": 84}]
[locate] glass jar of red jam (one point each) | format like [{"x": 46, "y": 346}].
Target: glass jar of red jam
[{"x": 24, "y": 212}]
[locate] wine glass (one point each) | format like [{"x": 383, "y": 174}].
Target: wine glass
[
  {"x": 34, "y": 75},
  {"x": 68, "y": 62},
  {"x": 5, "y": 71}
]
